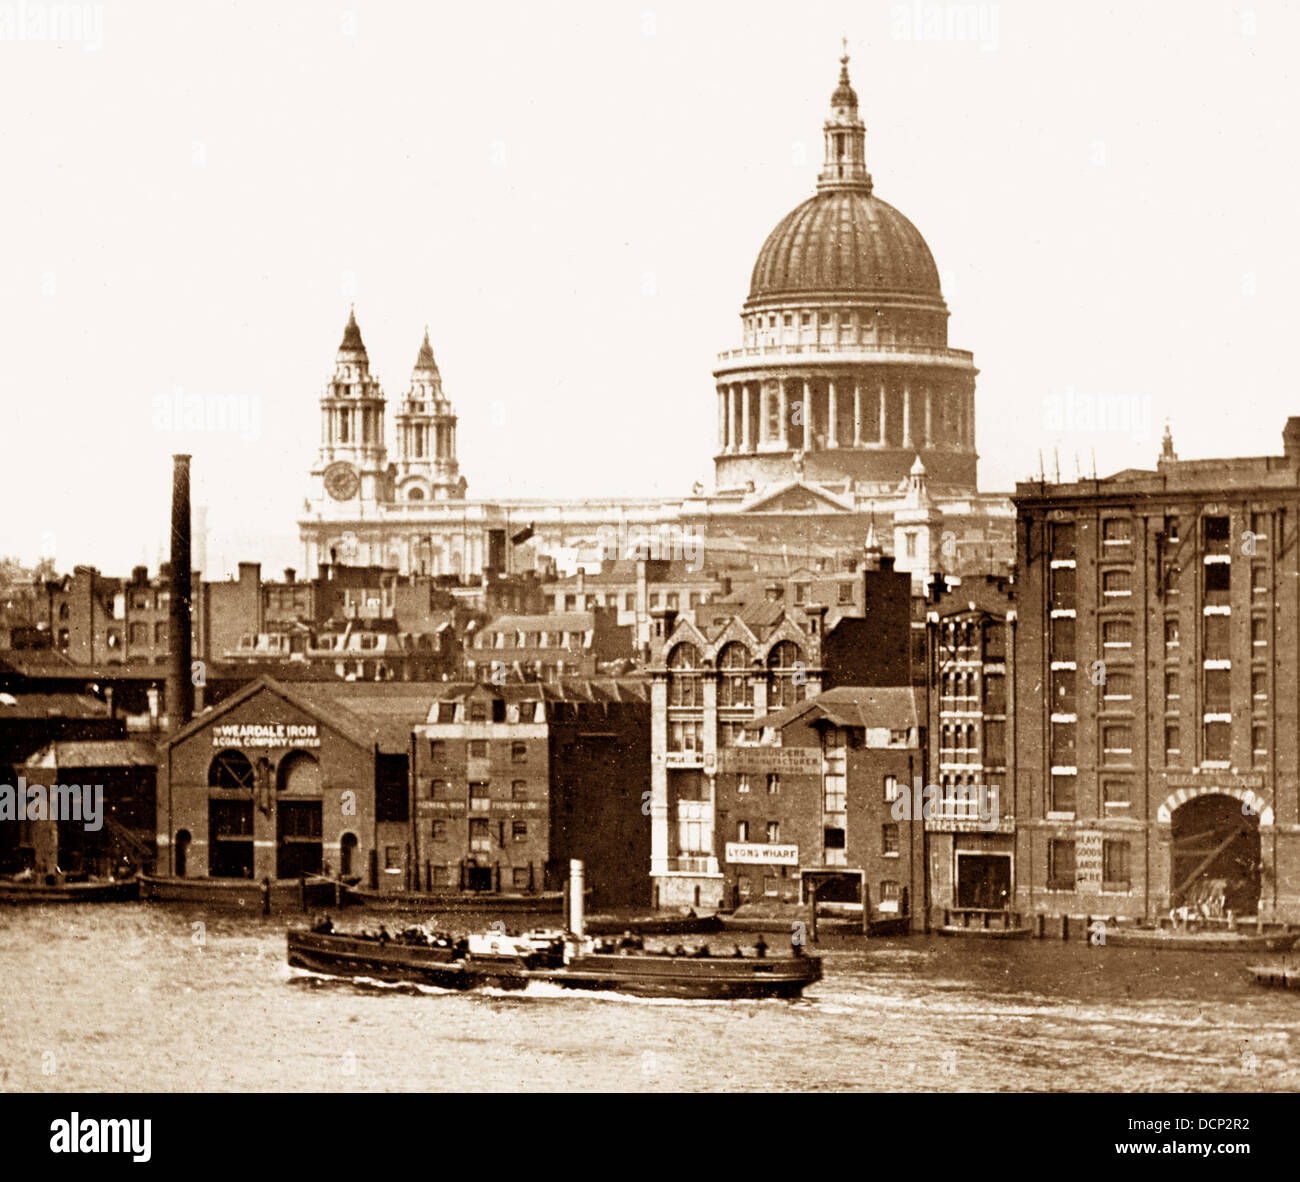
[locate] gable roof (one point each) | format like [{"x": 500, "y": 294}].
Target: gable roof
[
  {"x": 20, "y": 704},
  {"x": 100, "y": 753},
  {"x": 340, "y": 719},
  {"x": 889, "y": 707}
]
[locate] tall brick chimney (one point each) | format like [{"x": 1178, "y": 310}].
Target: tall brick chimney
[{"x": 180, "y": 689}]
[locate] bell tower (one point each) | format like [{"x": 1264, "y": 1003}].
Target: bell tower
[
  {"x": 426, "y": 437},
  {"x": 353, "y": 461}
]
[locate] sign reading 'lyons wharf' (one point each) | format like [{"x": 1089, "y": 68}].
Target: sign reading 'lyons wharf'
[
  {"x": 266, "y": 734},
  {"x": 756, "y": 854},
  {"x": 792, "y": 761}
]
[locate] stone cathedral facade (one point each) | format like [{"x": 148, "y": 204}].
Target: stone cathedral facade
[{"x": 842, "y": 411}]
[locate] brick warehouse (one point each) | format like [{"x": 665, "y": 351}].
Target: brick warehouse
[
  {"x": 847, "y": 755},
  {"x": 971, "y": 826},
  {"x": 278, "y": 781},
  {"x": 512, "y": 781},
  {"x": 719, "y": 671},
  {"x": 508, "y": 783},
  {"x": 1156, "y": 697}
]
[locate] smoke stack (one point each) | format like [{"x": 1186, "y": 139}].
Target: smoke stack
[
  {"x": 577, "y": 888},
  {"x": 180, "y": 690}
]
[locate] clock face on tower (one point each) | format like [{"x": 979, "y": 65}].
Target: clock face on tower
[{"x": 342, "y": 481}]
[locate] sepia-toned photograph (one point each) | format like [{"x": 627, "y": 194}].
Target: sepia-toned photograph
[{"x": 650, "y": 547}]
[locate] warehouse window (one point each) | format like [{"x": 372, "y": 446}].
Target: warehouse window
[
  {"x": 1063, "y": 794},
  {"x": 1217, "y": 535},
  {"x": 1218, "y": 742},
  {"x": 1115, "y": 866},
  {"x": 1060, "y": 865}
]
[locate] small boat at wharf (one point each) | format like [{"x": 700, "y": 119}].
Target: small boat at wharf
[
  {"x": 839, "y": 919},
  {"x": 983, "y": 923},
  {"x": 1197, "y": 938},
  {"x": 243, "y": 894},
  {"x": 1278, "y": 976},
  {"x": 490, "y": 902},
  {"x": 53, "y": 889},
  {"x": 655, "y": 925},
  {"x": 569, "y": 959}
]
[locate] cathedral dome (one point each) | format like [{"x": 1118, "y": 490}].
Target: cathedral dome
[{"x": 844, "y": 241}]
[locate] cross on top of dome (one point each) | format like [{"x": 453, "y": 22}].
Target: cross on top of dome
[{"x": 844, "y": 95}]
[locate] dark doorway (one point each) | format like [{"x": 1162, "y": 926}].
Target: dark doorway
[
  {"x": 182, "y": 851},
  {"x": 984, "y": 881},
  {"x": 230, "y": 830},
  {"x": 347, "y": 854},
  {"x": 1215, "y": 863},
  {"x": 833, "y": 888},
  {"x": 298, "y": 838},
  {"x": 478, "y": 878}
]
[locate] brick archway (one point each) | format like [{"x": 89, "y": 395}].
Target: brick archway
[{"x": 1247, "y": 796}]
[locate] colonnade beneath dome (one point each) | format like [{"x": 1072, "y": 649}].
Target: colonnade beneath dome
[{"x": 817, "y": 412}]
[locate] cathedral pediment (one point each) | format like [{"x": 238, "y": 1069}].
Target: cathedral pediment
[{"x": 796, "y": 497}]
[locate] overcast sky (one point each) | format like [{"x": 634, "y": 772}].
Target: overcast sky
[{"x": 571, "y": 197}]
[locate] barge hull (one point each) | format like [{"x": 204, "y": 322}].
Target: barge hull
[
  {"x": 20, "y": 893},
  {"x": 638, "y": 976}
]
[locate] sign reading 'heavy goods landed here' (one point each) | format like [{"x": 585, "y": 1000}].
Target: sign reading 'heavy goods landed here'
[
  {"x": 791, "y": 761},
  {"x": 1088, "y": 861},
  {"x": 756, "y": 854},
  {"x": 266, "y": 734}
]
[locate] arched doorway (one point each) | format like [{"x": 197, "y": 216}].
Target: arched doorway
[
  {"x": 1215, "y": 857},
  {"x": 182, "y": 851},
  {"x": 230, "y": 815},
  {"x": 347, "y": 855},
  {"x": 298, "y": 816}
]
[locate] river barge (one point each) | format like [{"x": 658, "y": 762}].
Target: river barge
[
  {"x": 568, "y": 959},
  {"x": 243, "y": 894},
  {"x": 514, "y": 962},
  {"x": 486, "y": 902},
  {"x": 91, "y": 890},
  {"x": 1257, "y": 938}
]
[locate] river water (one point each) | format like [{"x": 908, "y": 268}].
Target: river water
[{"x": 143, "y": 997}]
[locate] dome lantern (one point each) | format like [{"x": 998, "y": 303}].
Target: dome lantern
[{"x": 845, "y": 133}]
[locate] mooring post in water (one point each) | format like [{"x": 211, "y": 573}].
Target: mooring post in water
[
  {"x": 302, "y": 892},
  {"x": 266, "y": 896},
  {"x": 576, "y": 884},
  {"x": 812, "y": 919}
]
